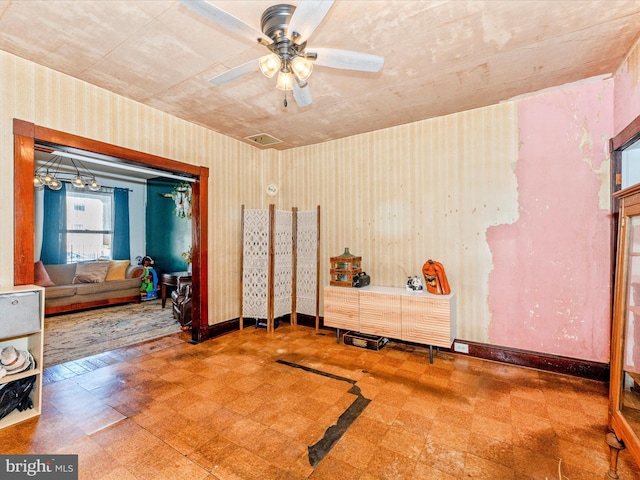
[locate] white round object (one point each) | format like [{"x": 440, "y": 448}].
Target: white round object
[{"x": 272, "y": 189}]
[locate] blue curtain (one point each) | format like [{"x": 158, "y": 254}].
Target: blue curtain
[
  {"x": 54, "y": 236},
  {"x": 121, "y": 249}
]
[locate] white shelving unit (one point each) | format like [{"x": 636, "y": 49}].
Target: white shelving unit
[{"x": 21, "y": 325}]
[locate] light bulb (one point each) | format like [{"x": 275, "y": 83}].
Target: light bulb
[
  {"x": 54, "y": 184},
  {"x": 302, "y": 68},
  {"x": 285, "y": 81},
  {"x": 269, "y": 65},
  {"x": 78, "y": 182},
  {"x": 37, "y": 181},
  {"x": 48, "y": 178},
  {"x": 94, "y": 186}
]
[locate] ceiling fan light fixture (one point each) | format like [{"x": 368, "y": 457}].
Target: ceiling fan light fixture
[
  {"x": 285, "y": 81},
  {"x": 284, "y": 31},
  {"x": 302, "y": 68},
  {"x": 270, "y": 64}
]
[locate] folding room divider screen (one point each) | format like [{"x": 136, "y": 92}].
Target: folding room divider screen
[{"x": 280, "y": 259}]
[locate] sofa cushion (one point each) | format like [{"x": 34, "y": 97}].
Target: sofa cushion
[
  {"x": 40, "y": 275},
  {"x": 117, "y": 270},
  {"x": 61, "y": 274},
  {"x": 105, "y": 287},
  {"x": 91, "y": 272},
  {"x": 60, "y": 291}
]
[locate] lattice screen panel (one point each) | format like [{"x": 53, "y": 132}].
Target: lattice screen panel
[
  {"x": 267, "y": 231},
  {"x": 255, "y": 264},
  {"x": 307, "y": 262},
  {"x": 283, "y": 263}
]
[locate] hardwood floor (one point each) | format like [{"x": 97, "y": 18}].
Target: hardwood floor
[
  {"x": 85, "y": 365},
  {"x": 254, "y": 405}
]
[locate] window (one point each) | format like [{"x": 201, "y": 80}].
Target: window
[{"x": 89, "y": 225}]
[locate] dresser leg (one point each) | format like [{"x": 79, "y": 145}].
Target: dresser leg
[
  {"x": 337, "y": 335},
  {"x": 615, "y": 446}
]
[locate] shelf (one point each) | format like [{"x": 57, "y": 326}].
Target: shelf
[
  {"x": 21, "y": 325},
  {"x": 17, "y": 417}
]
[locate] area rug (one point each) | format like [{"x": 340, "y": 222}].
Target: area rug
[{"x": 82, "y": 334}]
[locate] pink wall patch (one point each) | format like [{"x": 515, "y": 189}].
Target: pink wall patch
[
  {"x": 627, "y": 93},
  {"x": 550, "y": 289}
]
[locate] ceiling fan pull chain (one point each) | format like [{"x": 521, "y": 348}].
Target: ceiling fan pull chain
[{"x": 285, "y": 99}]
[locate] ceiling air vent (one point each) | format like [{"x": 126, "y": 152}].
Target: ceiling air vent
[{"x": 263, "y": 139}]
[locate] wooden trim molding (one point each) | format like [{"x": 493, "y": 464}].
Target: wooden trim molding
[
  {"x": 512, "y": 356},
  {"x": 26, "y": 134},
  {"x": 96, "y": 303},
  {"x": 628, "y": 135},
  {"x": 308, "y": 321},
  {"x": 222, "y": 328},
  {"x": 23, "y": 203},
  {"x": 541, "y": 361},
  {"x": 199, "y": 242}
]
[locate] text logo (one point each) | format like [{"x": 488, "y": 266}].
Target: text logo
[{"x": 49, "y": 467}]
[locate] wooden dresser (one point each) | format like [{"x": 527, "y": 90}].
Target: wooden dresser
[{"x": 397, "y": 313}]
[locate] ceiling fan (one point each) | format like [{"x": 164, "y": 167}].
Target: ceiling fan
[{"x": 285, "y": 30}]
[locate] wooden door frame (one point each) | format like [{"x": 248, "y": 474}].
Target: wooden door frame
[
  {"x": 627, "y": 137},
  {"x": 624, "y": 139},
  {"x": 27, "y": 134}
]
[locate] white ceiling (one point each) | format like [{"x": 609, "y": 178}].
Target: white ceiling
[{"x": 441, "y": 57}]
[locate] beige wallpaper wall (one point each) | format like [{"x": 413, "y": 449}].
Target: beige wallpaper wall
[
  {"x": 42, "y": 96},
  {"x": 401, "y": 196},
  {"x": 396, "y": 197}
]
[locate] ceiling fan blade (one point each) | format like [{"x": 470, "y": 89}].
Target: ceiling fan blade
[
  {"x": 226, "y": 20},
  {"x": 307, "y": 17},
  {"x": 236, "y": 72},
  {"x": 302, "y": 94},
  {"x": 347, "y": 60}
]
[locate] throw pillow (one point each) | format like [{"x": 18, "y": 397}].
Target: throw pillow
[
  {"x": 117, "y": 269},
  {"x": 91, "y": 272},
  {"x": 40, "y": 275},
  {"x": 136, "y": 272}
]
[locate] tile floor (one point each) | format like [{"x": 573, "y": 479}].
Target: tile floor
[{"x": 240, "y": 407}]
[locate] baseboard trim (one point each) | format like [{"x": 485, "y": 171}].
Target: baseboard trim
[
  {"x": 541, "y": 361},
  {"x": 221, "y": 328},
  {"x": 306, "y": 320},
  {"x": 234, "y": 324},
  {"x": 523, "y": 358}
]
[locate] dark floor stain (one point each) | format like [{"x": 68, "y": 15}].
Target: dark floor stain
[
  {"x": 317, "y": 372},
  {"x": 320, "y": 449}
]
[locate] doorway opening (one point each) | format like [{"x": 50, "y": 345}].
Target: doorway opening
[{"x": 28, "y": 135}]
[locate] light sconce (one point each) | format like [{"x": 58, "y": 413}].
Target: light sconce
[{"x": 49, "y": 175}]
